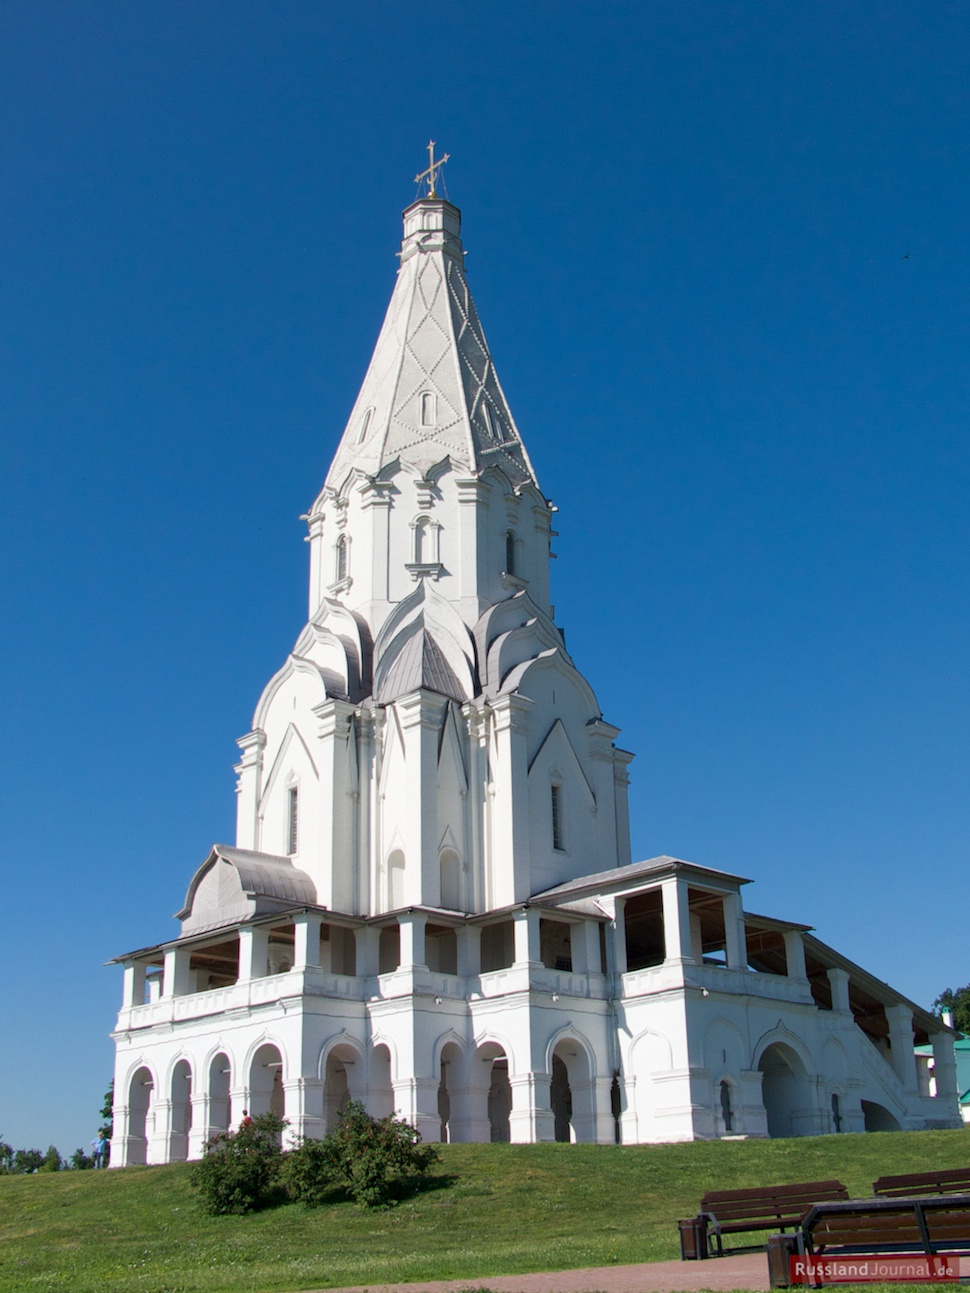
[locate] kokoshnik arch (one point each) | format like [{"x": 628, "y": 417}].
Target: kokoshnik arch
[{"x": 430, "y": 905}]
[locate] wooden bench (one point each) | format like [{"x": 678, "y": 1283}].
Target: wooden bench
[
  {"x": 770, "y": 1207},
  {"x": 924, "y": 1226},
  {"x": 952, "y": 1181}
]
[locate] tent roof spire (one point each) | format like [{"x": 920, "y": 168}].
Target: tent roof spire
[{"x": 431, "y": 390}]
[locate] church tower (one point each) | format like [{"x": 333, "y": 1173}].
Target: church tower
[
  {"x": 429, "y": 741},
  {"x": 430, "y": 904}
]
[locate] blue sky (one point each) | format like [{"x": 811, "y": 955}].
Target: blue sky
[{"x": 720, "y": 251}]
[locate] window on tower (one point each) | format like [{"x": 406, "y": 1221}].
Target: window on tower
[
  {"x": 557, "y": 831},
  {"x": 365, "y": 426},
  {"x": 341, "y": 562},
  {"x": 292, "y": 819},
  {"x": 510, "y": 553},
  {"x": 428, "y": 418}
]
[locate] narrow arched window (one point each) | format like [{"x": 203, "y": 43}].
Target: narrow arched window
[
  {"x": 726, "y": 1110},
  {"x": 365, "y": 426},
  {"x": 557, "y": 831},
  {"x": 450, "y": 876},
  {"x": 836, "y": 1113},
  {"x": 422, "y": 540},
  {"x": 510, "y": 553},
  {"x": 428, "y": 409},
  {"x": 488, "y": 420},
  {"x": 341, "y": 564},
  {"x": 292, "y": 819}
]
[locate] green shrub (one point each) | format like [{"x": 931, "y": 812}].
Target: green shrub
[
  {"x": 372, "y": 1158},
  {"x": 239, "y": 1171},
  {"x": 308, "y": 1172}
]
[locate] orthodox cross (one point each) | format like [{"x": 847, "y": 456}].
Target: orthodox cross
[{"x": 431, "y": 174}]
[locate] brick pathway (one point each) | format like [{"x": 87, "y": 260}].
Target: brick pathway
[{"x": 742, "y": 1271}]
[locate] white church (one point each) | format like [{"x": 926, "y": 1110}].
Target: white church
[{"x": 430, "y": 905}]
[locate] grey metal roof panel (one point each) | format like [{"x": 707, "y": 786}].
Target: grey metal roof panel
[{"x": 623, "y": 875}]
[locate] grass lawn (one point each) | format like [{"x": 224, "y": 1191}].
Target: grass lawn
[{"x": 494, "y": 1210}]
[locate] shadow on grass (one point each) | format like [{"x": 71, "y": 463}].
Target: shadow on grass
[{"x": 400, "y": 1191}]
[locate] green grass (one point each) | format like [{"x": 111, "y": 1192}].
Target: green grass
[{"x": 495, "y": 1210}]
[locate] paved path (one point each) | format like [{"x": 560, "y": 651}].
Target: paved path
[{"x": 742, "y": 1271}]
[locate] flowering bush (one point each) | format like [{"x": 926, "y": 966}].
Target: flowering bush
[
  {"x": 240, "y": 1169},
  {"x": 371, "y": 1158}
]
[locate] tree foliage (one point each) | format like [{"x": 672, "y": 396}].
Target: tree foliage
[
  {"x": 26, "y": 1161},
  {"x": 108, "y": 1113},
  {"x": 958, "y": 1001},
  {"x": 239, "y": 1171}
]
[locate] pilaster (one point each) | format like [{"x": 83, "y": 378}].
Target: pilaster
[
  {"x": 199, "y": 1131},
  {"x": 476, "y": 720},
  {"x": 335, "y": 756},
  {"x": 509, "y": 863},
  {"x": 249, "y": 776},
  {"x": 531, "y": 1119},
  {"x": 421, "y": 715}
]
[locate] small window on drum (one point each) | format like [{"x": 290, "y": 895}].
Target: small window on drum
[
  {"x": 292, "y": 819},
  {"x": 365, "y": 426},
  {"x": 557, "y": 824},
  {"x": 341, "y": 561}
]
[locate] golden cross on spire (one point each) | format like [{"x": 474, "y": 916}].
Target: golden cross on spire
[{"x": 431, "y": 174}]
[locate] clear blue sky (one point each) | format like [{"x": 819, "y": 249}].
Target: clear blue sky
[{"x": 721, "y": 254}]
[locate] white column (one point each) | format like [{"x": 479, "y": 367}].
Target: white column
[
  {"x": 618, "y": 934},
  {"x": 945, "y": 1069},
  {"x": 900, "y": 1019},
  {"x": 795, "y": 954},
  {"x": 368, "y": 951},
  {"x": 735, "y": 943},
  {"x": 676, "y": 910},
  {"x": 253, "y": 952},
  {"x": 133, "y": 993},
  {"x": 839, "y": 980},
  {"x": 306, "y": 949},
  {"x": 526, "y": 929},
  {"x": 584, "y": 946},
  {"x": 469, "y": 939},
  {"x": 175, "y": 975},
  {"x": 412, "y": 925}
]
